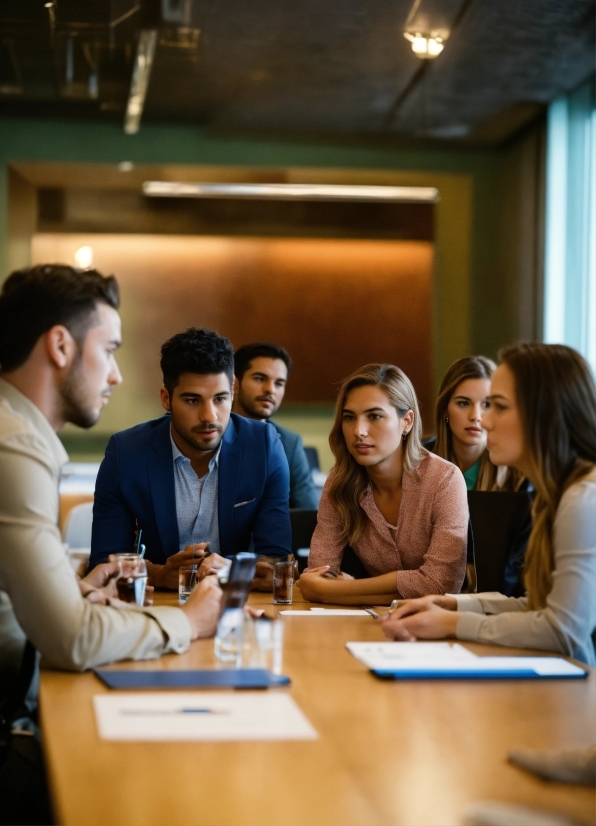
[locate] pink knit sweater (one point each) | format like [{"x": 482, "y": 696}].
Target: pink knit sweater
[{"x": 427, "y": 548}]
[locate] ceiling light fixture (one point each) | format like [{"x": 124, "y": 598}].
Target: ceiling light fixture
[
  {"x": 140, "y": 80},
  {"x": 426, "y": 45},
  {"x": 291, "y": 192}
]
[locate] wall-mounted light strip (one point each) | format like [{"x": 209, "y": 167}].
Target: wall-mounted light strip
[
  {"x": 140, "y": 80},
  {"x": 291, "y": 192}
]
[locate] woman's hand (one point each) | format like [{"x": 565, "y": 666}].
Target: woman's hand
[
  {"x": 422, "y": 619},
  {"x": 314, "y": 585}
]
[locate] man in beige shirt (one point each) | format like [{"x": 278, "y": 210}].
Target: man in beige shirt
[{"x": 59, "y": 330}]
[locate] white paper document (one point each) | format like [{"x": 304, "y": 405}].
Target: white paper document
[
  {"x": 387, "y": 655},
  {"x": 329, "y": 612},
  {"x": 210, "y": 716},
  {"x": 433, "y": 659}
]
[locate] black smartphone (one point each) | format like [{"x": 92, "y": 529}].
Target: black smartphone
[{"x": 237, "y": 588}]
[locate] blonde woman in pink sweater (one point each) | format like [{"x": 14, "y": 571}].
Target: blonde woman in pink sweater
[{"x": 401, "y": 509}]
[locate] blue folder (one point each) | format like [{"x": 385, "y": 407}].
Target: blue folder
[
  {"x": 485, "y": 668},
  {"x": 197, "y": 678}
]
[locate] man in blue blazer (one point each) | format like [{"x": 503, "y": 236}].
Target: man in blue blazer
[
  {"x": 261, "y": 371},
  {"x": 198, "y": 479}
]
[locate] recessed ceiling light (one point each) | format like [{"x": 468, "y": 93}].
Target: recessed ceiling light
[{"x": 427, "y": 45}]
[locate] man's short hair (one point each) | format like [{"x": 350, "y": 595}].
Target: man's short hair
[
  {"x": 260, "y": 349},
  {"x": 203, "y": 352},
  {"x": 35, "y": 299}
]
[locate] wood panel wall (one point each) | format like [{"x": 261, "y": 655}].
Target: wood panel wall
[{"x": 334, "y": 304}]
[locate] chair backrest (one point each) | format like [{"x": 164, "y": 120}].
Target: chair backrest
[
  {"x": 77, "y": 531},
  {"x": 312, "y": 455},
  {"x": 304, "y": 522},
  {"x": 501, "y": 524}
]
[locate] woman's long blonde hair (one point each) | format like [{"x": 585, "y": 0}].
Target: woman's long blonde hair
[
  {"x": 556, "y": 398},
  {"x": 469, "y": 367},
  {"x": 349, "y": 480}
]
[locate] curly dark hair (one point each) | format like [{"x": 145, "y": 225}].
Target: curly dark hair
[
  {"x": 202, "y": 351},
  {"x": 35, "y": 299},
  {"x": 260, "y": 349}
]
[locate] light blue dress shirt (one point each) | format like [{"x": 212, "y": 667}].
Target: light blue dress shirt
[{"x": 196, "y": 501}]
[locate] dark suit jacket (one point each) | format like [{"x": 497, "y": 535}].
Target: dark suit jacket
[
  {"x": 135, "y": 487},
  {"x": 302, "y": 489}
]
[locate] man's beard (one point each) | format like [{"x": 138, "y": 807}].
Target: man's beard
[
  {"x": 249, "y": 406},
  {"x": 75, "y": 407},
  {"x": 190, "y": 437}
]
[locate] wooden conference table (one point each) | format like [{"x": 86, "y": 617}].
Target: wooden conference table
[{"x": 387, "y": 753}]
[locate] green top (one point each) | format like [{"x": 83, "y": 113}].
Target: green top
[{"x": 471, "y": 475}]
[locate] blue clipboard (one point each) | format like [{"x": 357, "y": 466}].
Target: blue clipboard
[{"x": 197, "y": 678}]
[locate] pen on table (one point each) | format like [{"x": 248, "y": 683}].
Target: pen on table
[
  {"x": 150, "y": 712},
  {"x": 372, "y": 612}
]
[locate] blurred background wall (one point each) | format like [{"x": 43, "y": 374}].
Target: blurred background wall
[
  {"x": 483, "y": 289},
  {"x": 335, "y": 304}
]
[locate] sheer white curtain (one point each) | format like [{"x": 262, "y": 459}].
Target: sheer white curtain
[{"x": 570, "y": 247}]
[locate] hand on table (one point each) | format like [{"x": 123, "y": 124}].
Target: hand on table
[
  {"x": 263, "y": 578},
  {"x": 166, "y": 576},
  {"x": 202, "y": 608},
  {"x": 314, "y": 585},
  {"x": 426, "y": 618}
]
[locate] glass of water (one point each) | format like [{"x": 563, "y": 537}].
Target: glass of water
[
  {"x": 187, "y": 579},
  {"x": 283, "y": 582},
  {"x": 131, "y": 582}
]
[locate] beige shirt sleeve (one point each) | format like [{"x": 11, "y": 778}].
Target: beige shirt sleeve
[
  {"x": 567, "y": 623},
  {"x": 68, "y": 631}
]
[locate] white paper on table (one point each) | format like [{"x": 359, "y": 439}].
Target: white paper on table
[
  {"x": 329, "y": 612},
  {"x": 341, "y": 612},
  {"x": 392, "y": 654},
  {"x": 167, "y": 716}
]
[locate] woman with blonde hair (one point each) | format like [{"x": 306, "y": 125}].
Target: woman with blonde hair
[
  {"x": 402, "y": 510},
  {"x": 542, "y": 421}
]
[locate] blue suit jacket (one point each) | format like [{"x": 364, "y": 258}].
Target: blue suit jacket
[{"x": 135, "y": 487}]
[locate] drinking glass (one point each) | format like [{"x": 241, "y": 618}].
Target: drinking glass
[
  {"x": 283, "y": 582},
  {"x": 228, "y": 637},
  {"x": 131, "y": 582},
  {"x": 187, "y": 579}
]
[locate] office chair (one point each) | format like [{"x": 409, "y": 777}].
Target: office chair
[{"x": 500, "y": 526}]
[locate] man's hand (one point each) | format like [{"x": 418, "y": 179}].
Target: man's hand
[
  {"x": 99, "y": 586},
  {"x": 166, "y": 576},
  {"x": 314, "y": 585},
  {"x": 422, "y": 619},
  {"x": 102, "y": 576},
  {"x": 202, "y": 608},
  {"x": 212, "y": 564},
  {"x": 263, "y": 578}
]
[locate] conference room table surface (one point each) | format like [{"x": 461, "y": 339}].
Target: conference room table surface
[{"x": 388, "y": 752}]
